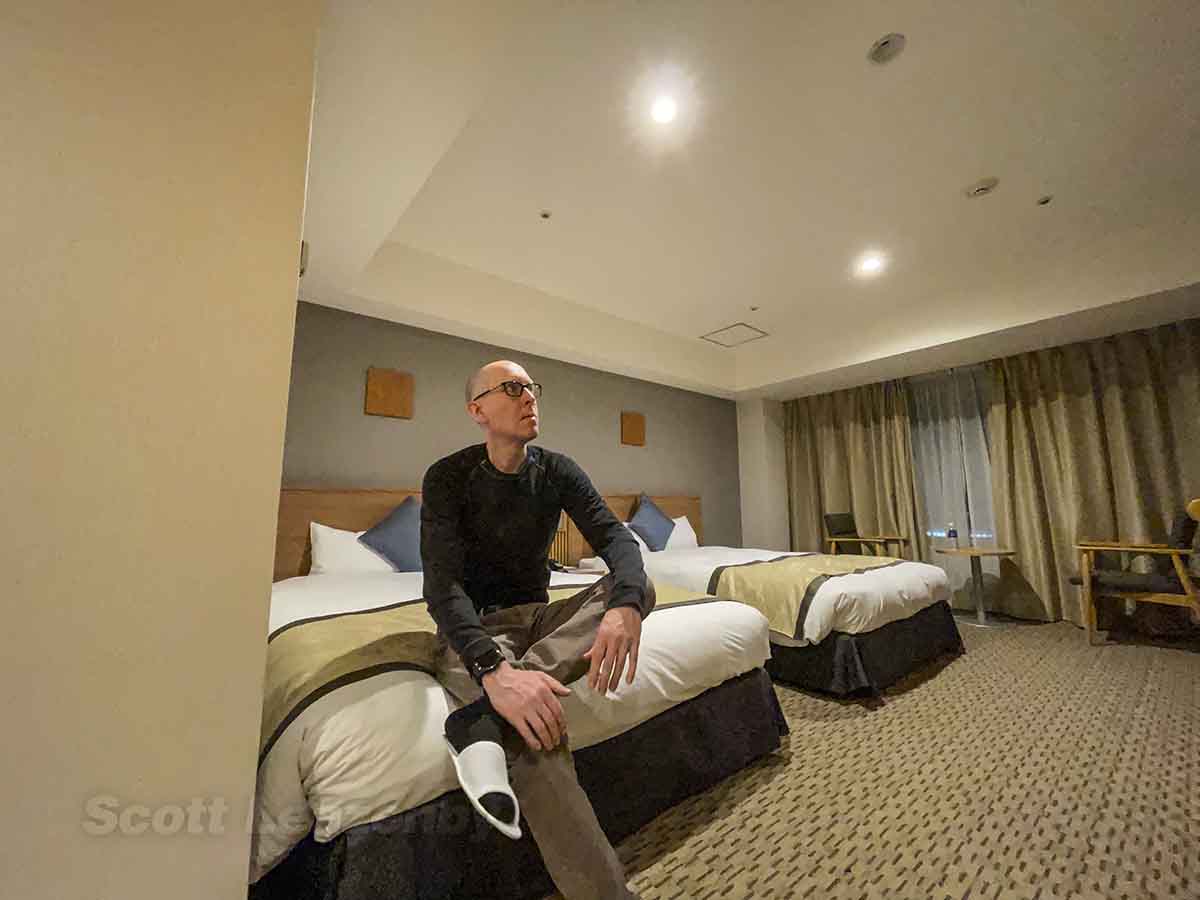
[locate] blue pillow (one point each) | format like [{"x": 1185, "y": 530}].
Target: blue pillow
[
  {"x": 398, "y": 537},
  {"x": 651, "y": 524}
]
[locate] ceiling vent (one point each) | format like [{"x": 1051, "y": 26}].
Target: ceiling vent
[
  {"x": 982, "y": 187},
  {"x": 734, "y": 335},
  {"x": 886, "y": 48}
]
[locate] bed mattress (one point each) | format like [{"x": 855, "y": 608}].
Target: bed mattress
[
  {"x": 853, "y": 603},
  {"x": 374, "y": 748}
]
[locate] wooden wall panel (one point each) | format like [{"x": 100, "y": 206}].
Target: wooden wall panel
[
  {"x": 633, "y": 429},
  {"x": 389, "y": 393}
]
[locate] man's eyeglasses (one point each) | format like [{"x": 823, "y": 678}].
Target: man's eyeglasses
[{"x": 513, "y": 389}]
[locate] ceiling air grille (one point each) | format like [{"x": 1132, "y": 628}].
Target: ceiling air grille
[{"x": 734, "y": 335}]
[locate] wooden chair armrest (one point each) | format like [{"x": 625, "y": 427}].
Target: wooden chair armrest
[
  {"x": 1153, "y": 549},
  {"x": 1118, "y": 545},
  {"x": 883, "y": 537}
]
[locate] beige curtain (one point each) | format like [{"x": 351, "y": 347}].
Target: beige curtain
[
  {"x": 850, "y": 451},
  {"x": 1092, "y": 440}
]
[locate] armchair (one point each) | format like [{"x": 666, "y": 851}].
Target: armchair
[
  {"x": 842, "y": 529},
  {"x": 1169, "y": 583}
]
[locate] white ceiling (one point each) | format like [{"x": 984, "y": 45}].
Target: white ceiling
[{"x": 440, "y": 134}]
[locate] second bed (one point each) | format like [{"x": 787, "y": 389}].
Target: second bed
[{"x": 839, "y": 624}]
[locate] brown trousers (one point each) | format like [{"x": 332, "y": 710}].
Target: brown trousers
[{"x": 551, "y": 638}]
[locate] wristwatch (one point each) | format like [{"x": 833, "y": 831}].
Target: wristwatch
[{"x": 488, "y": 661}]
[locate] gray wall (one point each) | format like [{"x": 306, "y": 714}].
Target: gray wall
[
  {"x": 691, "y": 440},
  {"x": 763, "y": 470}
]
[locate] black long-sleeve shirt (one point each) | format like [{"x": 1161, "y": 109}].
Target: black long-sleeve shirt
[{"x": 486, "y": 537}]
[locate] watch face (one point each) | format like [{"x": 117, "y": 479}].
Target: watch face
[{"x": 487, "y": 662}]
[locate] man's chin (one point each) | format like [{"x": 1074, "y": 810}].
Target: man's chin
[{"x": 525, "y": 430}]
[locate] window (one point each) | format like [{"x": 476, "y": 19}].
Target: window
[{"x": 952, "y": 468}]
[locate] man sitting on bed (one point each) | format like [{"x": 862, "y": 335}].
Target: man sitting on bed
[{"x": 488, "y": 517}]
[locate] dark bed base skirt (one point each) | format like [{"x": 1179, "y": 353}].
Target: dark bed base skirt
[
  {"x": 858, "y": 663},
  {"x": 442, "y": 849}
]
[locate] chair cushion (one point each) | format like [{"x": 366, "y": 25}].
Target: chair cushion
[
  {"x": 1132, "y": 582},
  {"x": 1183, "y": 532},
  {"x": 840, "y": 525}
]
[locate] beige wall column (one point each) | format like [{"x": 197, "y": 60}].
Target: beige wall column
[
  {"x": 763, "y": 474},
  {"x": 153, "y": 163}
]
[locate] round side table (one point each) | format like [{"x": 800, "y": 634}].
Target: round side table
[{"x": 976, "y": 555}]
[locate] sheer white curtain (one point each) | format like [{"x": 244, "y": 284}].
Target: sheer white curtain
[{"x": 952, "y": 469}]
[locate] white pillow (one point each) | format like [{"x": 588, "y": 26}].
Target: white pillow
[
  {"x": 337, "y": 552},
  {"x": 682, "y": 536}
]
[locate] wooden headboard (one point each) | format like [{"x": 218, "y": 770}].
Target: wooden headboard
[
  {"x": 624, "y": 506},
  {"x": 352, "y": 510},
  {"x": 358, "y": 510}
]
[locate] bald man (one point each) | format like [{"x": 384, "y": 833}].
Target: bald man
[{"x": 488, "y": 518}]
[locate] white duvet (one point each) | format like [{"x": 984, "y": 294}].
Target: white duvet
[
  {"x": 852, "y": 604},
  {"x": 374, "y": 748}
]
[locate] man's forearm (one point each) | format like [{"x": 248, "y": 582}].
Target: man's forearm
[
  {"x": 631, "y": 585},
  {"x": 640, "y": 597},
  {"x": 457, "y": 619}
]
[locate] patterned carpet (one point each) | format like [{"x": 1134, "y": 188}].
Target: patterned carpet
[{"x": 1034, "y": 766}]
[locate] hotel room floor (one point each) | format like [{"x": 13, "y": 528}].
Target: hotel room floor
[{"x": 1033, "y": 766}]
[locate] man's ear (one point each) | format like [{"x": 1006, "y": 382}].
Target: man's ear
[{"x": 475, "y": 411}]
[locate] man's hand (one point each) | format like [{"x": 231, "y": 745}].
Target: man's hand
[
  {"x": 617, "y": 639},
  {"x": 529, "y": 701}
]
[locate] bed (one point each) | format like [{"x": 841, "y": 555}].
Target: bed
[
  {"x": 356, "y": 797},
  {"x": 838, "y": 624}
]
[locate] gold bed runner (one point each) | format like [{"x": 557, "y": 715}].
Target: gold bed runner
[
  {"x": 309, "y": 658},
  {"x": 782, "y": 589}
]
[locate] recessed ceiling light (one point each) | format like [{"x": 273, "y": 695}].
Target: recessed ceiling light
[
  {"x": 870, "y": 264},
  {"x": 664, "y": 109}
]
